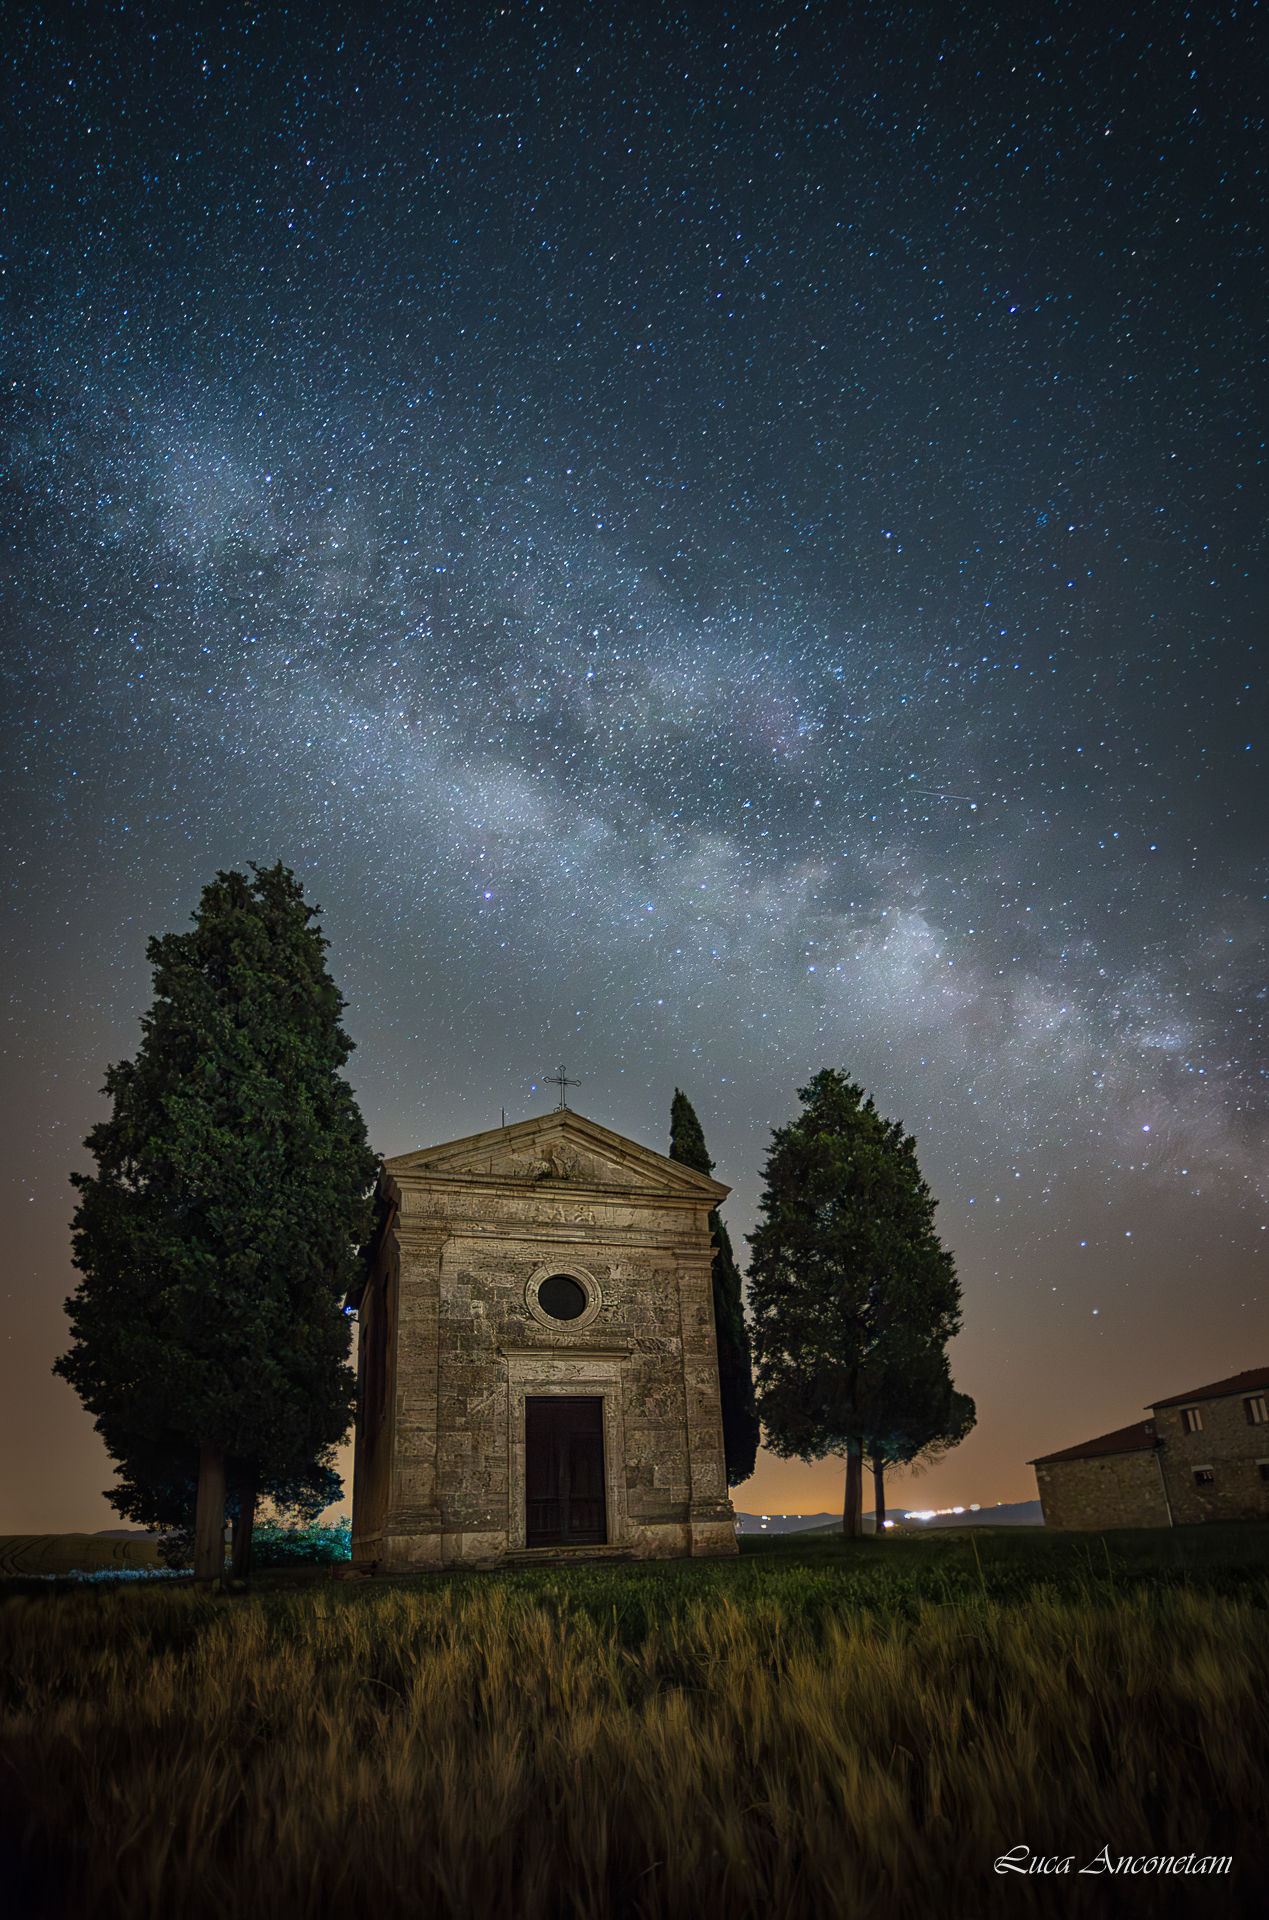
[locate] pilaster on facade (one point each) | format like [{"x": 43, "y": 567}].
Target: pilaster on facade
[
  {"x": 709, "y": 1509},
  {"x": 414, "y": 1507}
]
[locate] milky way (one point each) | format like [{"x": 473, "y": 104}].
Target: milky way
[{"x": 714, "y": 547}]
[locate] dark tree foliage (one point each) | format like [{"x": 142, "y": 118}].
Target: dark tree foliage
[
  {"x": 917, "y": 1415},
  {"x": 735, "y": 1359},
  {"x": 220, "y": 1231},
  {"x": 157, "y": 1486},
  {"x": 852, "y": 1297}
]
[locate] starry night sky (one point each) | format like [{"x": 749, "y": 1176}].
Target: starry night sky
[{"x": 717, "y": 542}]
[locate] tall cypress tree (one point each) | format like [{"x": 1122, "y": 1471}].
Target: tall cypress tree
[
  {"x": 219, "y": 1234},
  {"x": 852, "y": 1296},
  {"x": 735, "y": 1359}
]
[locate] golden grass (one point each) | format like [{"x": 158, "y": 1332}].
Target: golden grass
[{"x": 481, "y": 1750}]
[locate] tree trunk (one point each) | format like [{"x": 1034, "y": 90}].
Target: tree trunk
[
  {"x": 879, "y": 1490},
  {"x": 853, "y": 1510},
  {"x": 245, "y": 1522},
  {"x": 209, "y": 1515}
]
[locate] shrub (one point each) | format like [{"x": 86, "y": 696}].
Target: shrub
[{"x": 274, "y": 1545}]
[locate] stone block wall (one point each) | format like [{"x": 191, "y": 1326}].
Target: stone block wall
[
  {"x": 1115, "y": 1490},
  {"x": 1227, "y": 1446}
]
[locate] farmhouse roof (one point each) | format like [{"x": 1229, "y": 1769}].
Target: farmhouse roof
[
  {"x": 1255, "y": 1377},
  {"x": 1134, "y": 1439}
]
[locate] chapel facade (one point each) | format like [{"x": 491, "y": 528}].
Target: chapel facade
[{"x": 537, "y": 1361}]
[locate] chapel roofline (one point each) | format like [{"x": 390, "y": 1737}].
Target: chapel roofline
[{"x": 436, "y": 1163}]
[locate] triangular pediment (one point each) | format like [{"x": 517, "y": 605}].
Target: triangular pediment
[{"x": 559, "y": 1152}]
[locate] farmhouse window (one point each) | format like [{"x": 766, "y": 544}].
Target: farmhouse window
[
  {"x": 1257, "y": 1412},
  {"x": 1264, "y": 1469},
  {"x": 1204, "y": 1477},
  {"x": 1191, "y": 1420}
]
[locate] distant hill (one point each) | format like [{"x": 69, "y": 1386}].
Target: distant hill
[
  {"x": 51, "y": 1554},
  {"x": 1018, "y": 1513},
  {"x": 785, "y": 1522}
]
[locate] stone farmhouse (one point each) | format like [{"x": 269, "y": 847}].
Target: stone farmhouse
[
  {"x": 1202, "y": 1455},
  {"x": 537, "y": 1364}
]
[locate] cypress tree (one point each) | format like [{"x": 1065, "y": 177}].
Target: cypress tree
[
  {"x": 852, "y": 1296},
  {"x": 220, "y": 1232},
  {"x": 735, "y": 1359}
]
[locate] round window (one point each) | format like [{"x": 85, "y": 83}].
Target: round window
[
  {"x": 565, "y": 1302},
  {"x": 561, "y": 1297}
]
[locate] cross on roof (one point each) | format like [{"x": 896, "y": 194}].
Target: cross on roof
[{"x": 562, "y": 1081}]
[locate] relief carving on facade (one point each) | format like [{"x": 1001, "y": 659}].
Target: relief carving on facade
[{"x": 562, "y": 1215}]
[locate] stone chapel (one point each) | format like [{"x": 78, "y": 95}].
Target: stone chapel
[{"x": 537, "y": 1367}]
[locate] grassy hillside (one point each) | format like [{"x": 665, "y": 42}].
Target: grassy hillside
[
  {"x": 41, "y": 1554},
  {"x": 813, "y": 1730}
]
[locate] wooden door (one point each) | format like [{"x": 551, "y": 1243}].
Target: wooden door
[{"x": 564, "y": 1472}]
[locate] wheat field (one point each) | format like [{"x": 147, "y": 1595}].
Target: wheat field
[{"x": 486, "y": 1748}]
